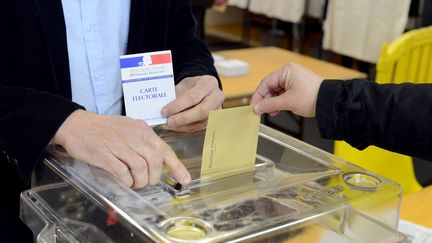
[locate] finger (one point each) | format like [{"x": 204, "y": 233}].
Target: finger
[
  {"x": 272, "y": 104},
  {"x": 116, "y": 168},
  {"x": 197, "y": 126},
  {"x": 136, "y": 181},
  {"x": 175, "y": 166},
  {"x": 259, "y": 94},
  {"x": 136, "y": 163},
  {"x": 266, "y": 96},
  {"x": 267, "y": 86},
  {"x": 155, "y": 166},
  {"x": 274, "y": 113},
  {"x": 189, "y": 99},
  {"x": 197, "y": 113}
]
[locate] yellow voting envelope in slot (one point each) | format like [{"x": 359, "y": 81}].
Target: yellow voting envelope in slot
[{"x": 230, "y": 143}]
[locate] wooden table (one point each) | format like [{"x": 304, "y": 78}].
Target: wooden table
[
  {"x": 264, "y": 60},
  {"x": 417, "y": 207}
]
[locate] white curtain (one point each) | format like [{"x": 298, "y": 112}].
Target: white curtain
[
  {"x": 238, "y": 3},
  {"x": 286, "y": 10},
  {"x": 357, "y": 28}
]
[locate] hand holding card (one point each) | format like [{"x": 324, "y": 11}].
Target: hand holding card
[{"x": 148, "y": 85}]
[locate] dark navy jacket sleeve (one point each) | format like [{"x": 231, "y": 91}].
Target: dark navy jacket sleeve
[
  {"x": 28, "y": 121},
  {"x": 28, "y": 118},
  {"x": 202, "y": 3},
  {"x": 35, "y": 94},
  {"x": 34, "y": 69},
  {"x": 391, "y": 116},
  {"x": 190, "y": 54},
  {"x": 169, "y": 25}
]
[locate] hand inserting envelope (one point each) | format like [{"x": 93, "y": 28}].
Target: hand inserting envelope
[{"x": 230, "y": 142}]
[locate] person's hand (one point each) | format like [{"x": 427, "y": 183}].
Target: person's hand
[
  {"x": 126, "y": 148},
  {"x": 293, "y": 88},
  {"x": 196, "y": 97},
  {"x": 220, "y": 2}
]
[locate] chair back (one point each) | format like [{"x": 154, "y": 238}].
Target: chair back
[{"x": 407, "y": 59}]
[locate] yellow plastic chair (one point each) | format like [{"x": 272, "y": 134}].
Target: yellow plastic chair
[{"x": 407, "y": 59}]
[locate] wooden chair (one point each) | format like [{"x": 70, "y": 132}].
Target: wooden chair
[{"x": 407, "y": 59}]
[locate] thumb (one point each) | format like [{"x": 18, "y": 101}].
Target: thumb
[{"x": 272, "y": 104}]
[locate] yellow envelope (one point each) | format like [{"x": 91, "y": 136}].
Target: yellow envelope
[{"x": 230, "y": 143}]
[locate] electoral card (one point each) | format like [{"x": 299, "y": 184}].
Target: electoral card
[{"x": 148, "y": 85}]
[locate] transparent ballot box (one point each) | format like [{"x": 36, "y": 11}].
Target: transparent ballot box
[{"x": 296, "y": 193}]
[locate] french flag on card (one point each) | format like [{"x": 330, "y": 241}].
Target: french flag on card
[
  {"x": 145, "y": 59},
  {"x": 148, "y": 85}
]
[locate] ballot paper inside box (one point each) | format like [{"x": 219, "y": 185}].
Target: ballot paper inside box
[{"x": 296, "y": 193}]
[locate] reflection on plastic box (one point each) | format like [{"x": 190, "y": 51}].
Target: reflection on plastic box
[{"x": 296, "y": 193}]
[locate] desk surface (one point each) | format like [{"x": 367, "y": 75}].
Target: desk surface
[
  {"x": 417, "y": 207},
  {"x": 264, "y": 60}
]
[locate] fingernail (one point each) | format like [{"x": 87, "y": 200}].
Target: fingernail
[
  {"x": 257, "y": 109},
  {"x": 287, "y": 75},
  {"x": 185, "y": 179}
]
